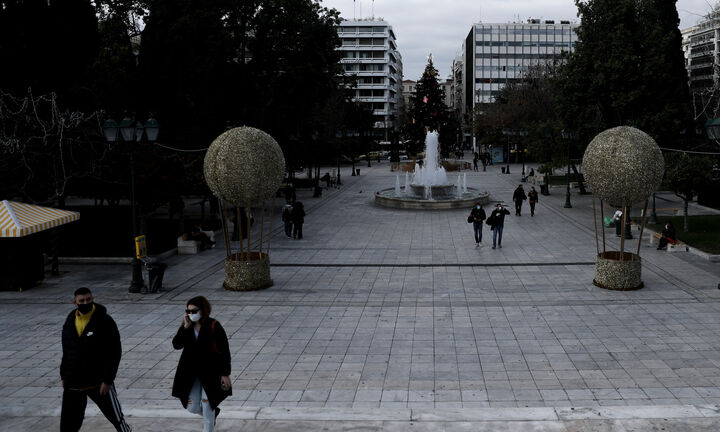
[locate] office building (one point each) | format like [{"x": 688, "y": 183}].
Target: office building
[{"x": 370, "y": 53}]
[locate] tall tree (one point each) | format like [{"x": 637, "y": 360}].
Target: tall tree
[
  {"x": 627, "y": 69},
  {"x": 290, "y": 69},
  {"x": 428, "y": 109},
  {"x": 183, "y": 65},
  {"x": 49, "y": 46}
]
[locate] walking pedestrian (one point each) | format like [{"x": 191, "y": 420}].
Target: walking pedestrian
[
  {"x": 668, "y": 235},
  {"x": 477, "y": 215},
  {"x": 617, "y": 219},
  {"x": 298, "y": 219},
  {"x": 287, "y": 218},
  {"x": 518, "y": 198},
  {"x": 497, "y": 222},
  {"x": 90, "y": 359},
  {"x": 475, "y": 162},
  {"x": 202, "y": 378},
  {"x": 532, "y": 199}
]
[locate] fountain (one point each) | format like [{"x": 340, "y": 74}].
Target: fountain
[{"x": 429, "y": 187}]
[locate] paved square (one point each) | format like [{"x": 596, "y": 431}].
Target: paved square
[{"x": 385, "y": 316}]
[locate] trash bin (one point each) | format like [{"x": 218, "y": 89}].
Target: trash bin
[
  {"x": 317, "y": 192},
  {"x": 503, "y": 169},
  {"x": 156, "y": 271}
]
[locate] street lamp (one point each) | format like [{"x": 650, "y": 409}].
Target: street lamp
[
  {"x": 567, "y": 136},
  {"x": 507, "y": 133},
  {"x": 132, "y": 131},
  {"x": 653, "y": 216}
]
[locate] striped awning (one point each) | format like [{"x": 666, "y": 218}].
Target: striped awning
[{"x": 19, "y": 219}]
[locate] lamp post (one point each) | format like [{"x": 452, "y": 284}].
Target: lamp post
[
  {"x": 567, "y": 136},
  {"x": 507, "y": 133},
  {"x": 132, "y": 132},
  {"x": 653, "y": 216}
]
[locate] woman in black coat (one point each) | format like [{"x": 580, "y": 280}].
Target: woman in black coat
[
  {"x": 202, "y": 379},
  {"x": 298, "y": 219}
]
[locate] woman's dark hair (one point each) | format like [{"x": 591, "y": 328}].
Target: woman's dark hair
[
  {"x": 669, "y": 222},
  {"x": 204, "y": 305}
]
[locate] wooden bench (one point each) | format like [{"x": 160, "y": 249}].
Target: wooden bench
[{"x": 678, "y": 246}]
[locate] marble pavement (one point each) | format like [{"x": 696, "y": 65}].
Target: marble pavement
[{"x": 385, "y": 319}]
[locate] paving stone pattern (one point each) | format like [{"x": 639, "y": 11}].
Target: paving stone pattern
[{"x": 397, "y": 309}]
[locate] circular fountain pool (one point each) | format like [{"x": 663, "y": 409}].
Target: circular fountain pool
[
  {"x": 429, "y": 187},
  {"x": 388, "y": 198}
]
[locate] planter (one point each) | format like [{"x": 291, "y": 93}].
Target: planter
[
  {"x": 613, "y": 274},
  {"x": 247, "y": 275}
]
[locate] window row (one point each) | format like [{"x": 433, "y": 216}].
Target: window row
[
  {"x": 364, "y": 67},
  {"x": 534, "y": 56},
  {"x": 345, "y": 29},
  {"x": 364, "y": 42},
  {"x": 363, "y": 54},
  {"x": 550, "y": 30},
  {"x": 490, "y": 69},
  {"x": 371, "y": 93},
  {"x": 524, "y": 44}
]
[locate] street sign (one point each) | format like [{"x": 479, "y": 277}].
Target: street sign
[{"x": 140, "y": 247}]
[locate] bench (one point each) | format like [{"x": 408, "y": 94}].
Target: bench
[
  {"x": 190, "y": 247},
  {"x": 678, "y": 246}
]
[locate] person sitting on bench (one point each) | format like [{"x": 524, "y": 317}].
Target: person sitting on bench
[
  {"x": 199, "y": 236},
  {"x": 668, "y": 235}
]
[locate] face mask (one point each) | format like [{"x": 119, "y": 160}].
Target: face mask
[
  {"x": 85, "y": 308},
  {"x": 195, "y": 317},
  {"x": 478, "y": 207}
]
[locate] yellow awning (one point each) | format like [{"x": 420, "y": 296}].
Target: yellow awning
[{"x": 19, "y": 219}]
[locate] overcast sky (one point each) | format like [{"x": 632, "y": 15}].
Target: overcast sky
[{"x": 424, "y": 26}]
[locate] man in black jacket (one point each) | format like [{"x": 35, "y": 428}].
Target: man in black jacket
[
  {"x": 91, "y": 356},
  {"x": 518, "y": 197},
  {"x": 497, "y": 223}
]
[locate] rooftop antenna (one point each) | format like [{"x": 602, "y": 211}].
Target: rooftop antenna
[
  {"x": 360, "y": 9},
  {"x": 354, "y": 14},
  {"x": 373, "y": 10}
]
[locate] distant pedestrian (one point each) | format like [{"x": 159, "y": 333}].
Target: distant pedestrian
[
  {"x": 668, "y": 235},
  {"x": 290, "y": 193},
  {"x": 326, "y": 179},
  {"x": 477, "y": 214},
  {"x": 497, "y": 222},
  {"x": 475, "y": 162},
  {"x": 202, "y": 378},
  {"x": 287, "y": 218},
  {"x": 518, "y": 198},
  {"x": 90, "y": 359},
  {"x": 242, "y": 227},
  {"x": 298, "y": 219},
  {"x": 532, "y": 199},
  {"x": 617, "y": 219}
]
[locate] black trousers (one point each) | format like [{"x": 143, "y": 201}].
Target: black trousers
[
  {"x": 518, "y": 207},
  {"x": 532, "y": 208},
  {"x": 75, "y": 401},
  {"x": 297, "y": 230}
]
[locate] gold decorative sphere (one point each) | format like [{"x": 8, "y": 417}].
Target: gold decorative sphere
[
  {"x": 244, "y": 164},
  {"x": 623, "y": 162}
]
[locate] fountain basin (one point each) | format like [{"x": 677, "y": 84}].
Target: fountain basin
[
  {"x": 438, "y": 192},
  {"x": 387, "y": 198}
]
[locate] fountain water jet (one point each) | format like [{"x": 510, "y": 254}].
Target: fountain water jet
[{"x": 428, "y": 187}]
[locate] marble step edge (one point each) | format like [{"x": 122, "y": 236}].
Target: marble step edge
[{"x": 407, "y": 414}]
